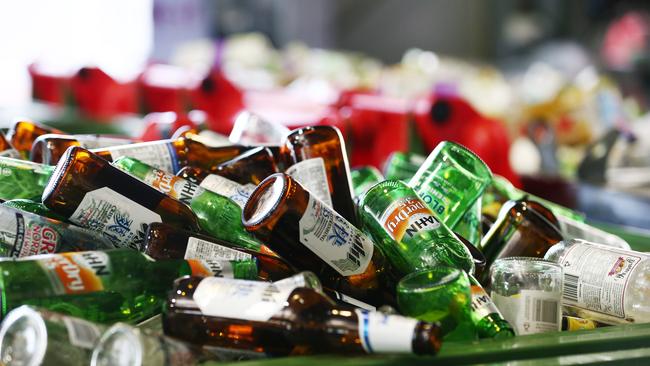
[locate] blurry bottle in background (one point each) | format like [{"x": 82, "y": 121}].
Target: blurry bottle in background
[
  {"x": 49, "y": 148},
  {"x": 23, "y": 133},
  {"x": 23, "y": 179}
]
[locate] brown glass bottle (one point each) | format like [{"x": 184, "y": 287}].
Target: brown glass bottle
[
  {"x": 48, "y": 148},
  {"x": 23, "y": 133},
  {"x": 93, "y": 194},
  {"x": 172, "y": 155},
  {"x": 311, "y": 236},
  {"x": 307, "y": 322},
  {"x": 302, "y": 152},
  {"x": 523, "y": 229},
  {"x": 164, "y": 241},
  {"x": 4, "y": 144},
  {"x": 251, "y": 167}
]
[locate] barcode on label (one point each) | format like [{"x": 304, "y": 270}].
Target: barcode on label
[
  {"x": 81, "y": 333},
  {"x": 570, "y": 292},
  {"x": 545, "y": 311}
]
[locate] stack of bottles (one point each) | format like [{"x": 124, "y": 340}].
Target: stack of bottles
[{"x": 243, "y": 251}]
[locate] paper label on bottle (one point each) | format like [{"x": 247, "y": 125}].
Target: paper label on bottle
[
  {"x": 99, "y": 142},
  {"x": 482, "y": 304},
  {"x": 26, "y": 235},
  {"x": 239, "y": 193},
  {"x": 169, "y": 184},
  {"x": 212, "y": 139},
  {"x": 159, "y": 155},
  {"x": 241, "y": 299},
  {"x": 352, "y": 301},
  {"x": 408, "y": 216},
  {"x": 531, "y": 311},
  {"x": 211, "y": 267},
  {"x": 76, "y": 273},
  {"x": 383, "y": 333},
  {"x": 81, "y": 333},
  {"x": 311, "y": 174},
  {"x": 595, "y": 278},
  {"x": 334, "y": 239},
  {"x": 120, "y": 220},
  {"x": 202, "y": 249}
]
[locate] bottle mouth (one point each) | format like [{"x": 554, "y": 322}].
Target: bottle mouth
[
  {"x": 23, "y": 338},
  {"x": 428, "y": 279},
  {"x": 264, "y": 199},
  {"x": 118, "y": 346}
]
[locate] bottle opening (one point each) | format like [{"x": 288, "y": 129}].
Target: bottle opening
[
  {"x": 264, "y": 199},
  {"x": 119, "y": 346},
  {"x": 24, "y": 338}
]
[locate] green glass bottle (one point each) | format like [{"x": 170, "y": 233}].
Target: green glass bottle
[
  {"x": 23, "y": 179},
  {"x": 33, "y": 207},
  {"x": 105, "y": 287},
  {"x": 218, "y": 215},
  {"x": 23, "y": 234},
  {"x": 487, "y": 319},
  {"x": 450, "y": 180},
  {"x": 364, "y": 178},
  {"x": 469, "y": 226},
  {"x": 402, "y": 166},
  {"x": 34, "y": 336},
  {"x": 408, "y": 232}
]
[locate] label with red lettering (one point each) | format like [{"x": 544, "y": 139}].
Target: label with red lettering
[
  {"x": 27, "y": 234},
  {"x": 76, "y": 273},
  {"x": 406, "y": 217},
  {"x": 176, "y": 187}
]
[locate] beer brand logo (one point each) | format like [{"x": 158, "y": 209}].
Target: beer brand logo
[
  {"x": 408, "y": 216},
  {"x": 621, "y": 267},
  {"x": 167, "y": 184},
  {"x": 39, "y": 239},
  {"x": 76, "y": 273}
]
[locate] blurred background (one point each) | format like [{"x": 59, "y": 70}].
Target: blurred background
[{"x": 552, "y": 94}]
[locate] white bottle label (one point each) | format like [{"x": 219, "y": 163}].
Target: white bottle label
[
  {"x": 120, "y": 220},
  {"x": 334, "y": 239},
  {"x": 354, "y": 302},
  {"x": 239, "y": 193},
  {"x": 383, "y": 333},
  {"x": 240, "y": 299},
  {"x": 482, "y": 304},
  {"x": 595, "y": 278},
  {"x": 158, "y": 155},
  {"x": 311, "y": 174},
  {"x": 81, "y": 333},
  {"x": 27, "y": 235},
  {"x": 99, "y": 142},
  {"x": 201, "y": 249},
  {"x": 169, "y": 184},
  {"x": 212, "y": 139},
  {"x": 531, "y": 311}
]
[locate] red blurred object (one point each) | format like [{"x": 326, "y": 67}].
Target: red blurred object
[
  {"x": 220, "y": 99},
  {"x": 449, "y": 117},
  {"x": 625, "y": 38},
  {"x": 100, "y": 96},
  {"x": 163, "y": 125},
  {"x": 48, "y": 87},
  {"x": 166, "y": 88},
  {"x": 378, "y": 126}
]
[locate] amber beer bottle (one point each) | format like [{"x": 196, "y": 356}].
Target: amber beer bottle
[
  {"x": 6, "y": 150},
  {"x": 311, "y": 236},
  {"x": 93, "y": 194},
  {"x": 23, "y": 133},
  {"x": 523, "y": 228},
  {"x": 164, "y": 241},
  {"x": 49, "y": 148},
  {"x": 251, "y": 167},
  {"x": 287, "y": 317},
  {"x": 316, "y": 157},
  {"x": 172, "y": 155}
]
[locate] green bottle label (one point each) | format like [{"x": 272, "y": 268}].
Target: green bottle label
[
  {"x": 405, "y": 218},
  {"x": 26, "y": 235},
  {"x": 76, "y": 273},
  {"x": 176, "y": 187}
]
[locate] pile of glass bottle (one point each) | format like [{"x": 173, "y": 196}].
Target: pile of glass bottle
[{"x": 183, "y": 250}]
